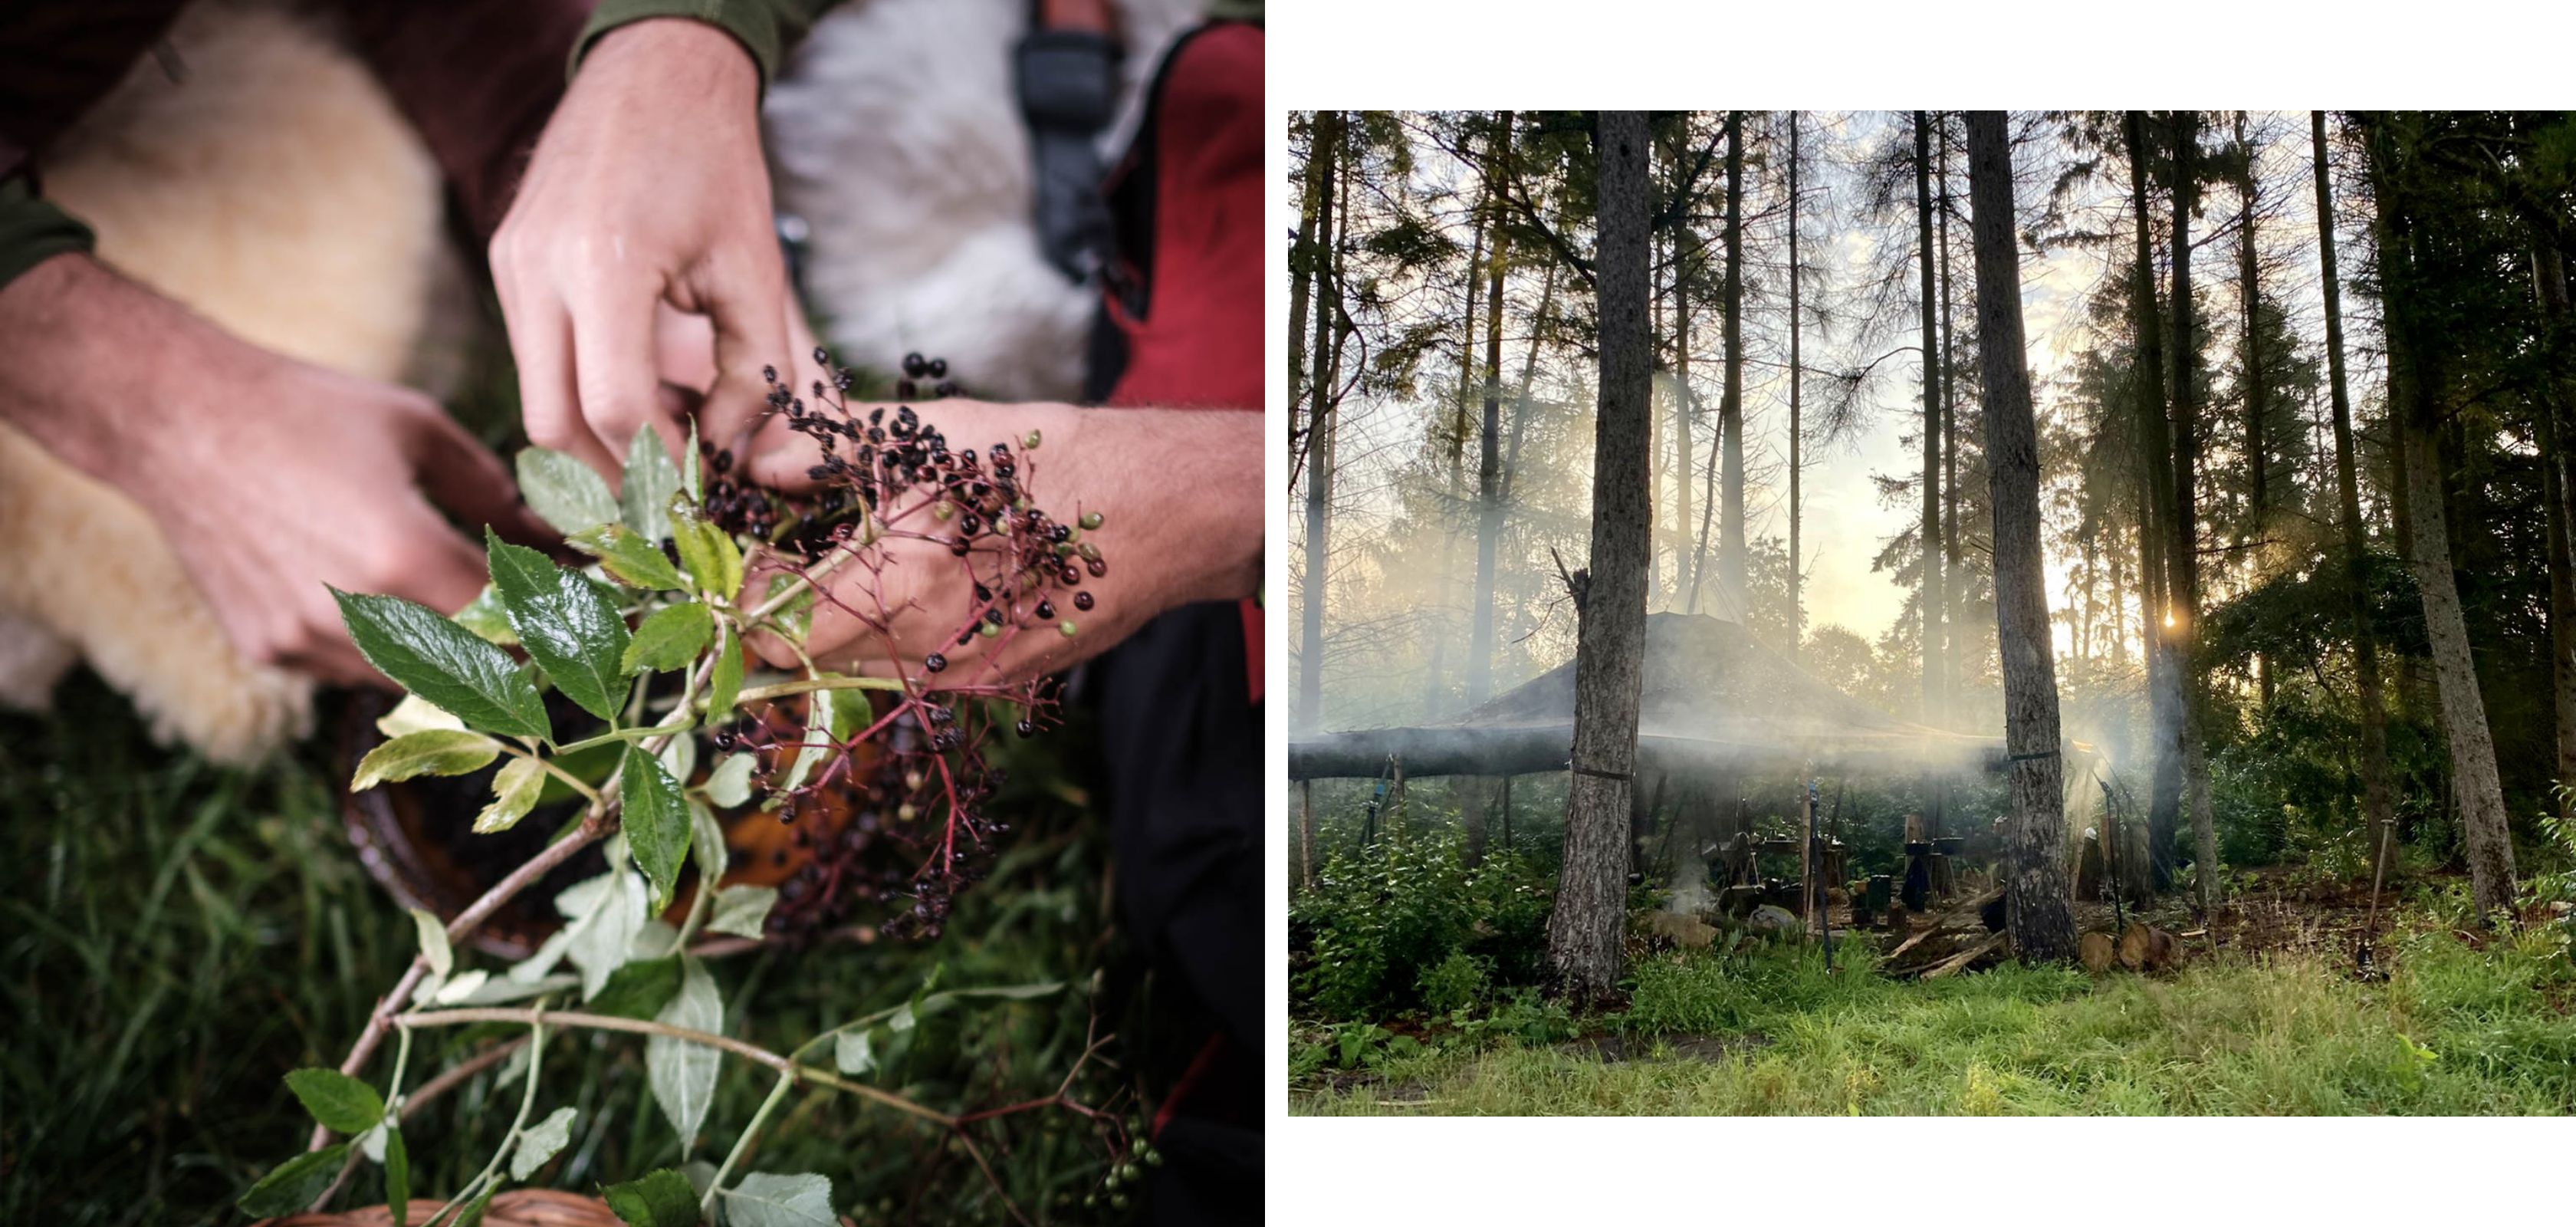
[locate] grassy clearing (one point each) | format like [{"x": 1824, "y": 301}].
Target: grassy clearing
[
  {"x": 174, "y": 938},
  {"x": 2453, "y": 1031}
]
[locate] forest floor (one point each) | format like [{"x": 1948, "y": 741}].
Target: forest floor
[{"x": 2265, "y": 1015}]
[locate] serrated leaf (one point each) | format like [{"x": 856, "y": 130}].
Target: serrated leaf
[
  {"x": 427, "y": 752},
  {"x": 603, "y": 937},
  {"x": 662, "y": 1198},
  {"x": 724, "y": 683},
  {"x": 644, "y": 493},
  {"x": 742, "y": 910},
  {"x": 540, "y": 1141},
  {"x": 296, "y": 1182},
  {"x": 433, "y": 941},
  {"x": 563, "y": 491},
  {"x": 444, "y": 663},
  {"x": 656, "y": 821},
  {"x": 634, "y": 561},
  {"x": 729, "y": 784},
  {"x": 571, "y": 630},
  {"x": 462, "y": 987},
  {"x": 514, "y": 792},
  {"x": 416, "y": 715},
  {"x": 683, "y": 1074},
  {"x": 483, "y": 616},
  {"x": 669, "y": 638},
  {"x": 337, "y": 1102},
  {"x": 397, "y": 1163},
  {"x": 767, "y": 1200},
  {"x": 639, "y": 990},
  {"x": 709, "y": 553},
  {"x": 854, "y": 1052}
]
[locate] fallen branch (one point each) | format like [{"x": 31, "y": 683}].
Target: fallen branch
[{"x": 1960, "y": 960}]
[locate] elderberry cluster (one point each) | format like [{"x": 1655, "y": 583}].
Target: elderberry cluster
[{"x": 889, "y": 831}]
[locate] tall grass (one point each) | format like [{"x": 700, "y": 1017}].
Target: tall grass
[{"x": 2454, "y": 1031}]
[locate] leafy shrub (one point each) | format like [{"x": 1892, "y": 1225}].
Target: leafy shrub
[{"x": 1380, "y": 925}]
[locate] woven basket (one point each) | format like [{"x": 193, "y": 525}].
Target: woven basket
[{"x": 516, "y": 1208}]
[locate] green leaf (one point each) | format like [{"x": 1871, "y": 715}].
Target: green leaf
[
  {"x": 338, "y": 1102},
  {"x": 514, "y": 793},
  {"x": 729, "y": 784},
  {"x": 563, "y": 491},
  {"x": 679, "y": 756},
  {"x": 599, "y": 942},
  {"x": 415, "y": 715},
  {"x": 397, "y": 1174},
  {"x": 683, "y": 1074},
  {"x": 656, "y": 821},
  {"x": 830, "y": 715},
  {"x": 539, "y": 1142},
  {"x": 461, "y": 988},
  {"x": 689, "y": 467},
  {"x": 766, "y": 1200},
  {"x": 724, "y": 685},
  {"x": 568, "y": 627},
  {"x": 795, "y": 618},
  {"x": 639, "y": 989},
  {"x": 852, "y": 1051},
  {"x": 707, "y": 551},
  {"x": 741, "y": 910},
  {"x": 644, "y": 493},
  {"x": 444, "y": 663},
  {"x": 433, "y": 941},
  {"x": 636, "y": 562},
  {"x": 296, "y": 1182},
  {"x": 707, "y": 842},
  {"x": 428, "y": 752},
  {"x": 484, "y": 616},
  {"x": 669, "y": 638},
  {"x": 662, "y": 1198}
]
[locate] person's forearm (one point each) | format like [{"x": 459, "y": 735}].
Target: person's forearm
[
  {"x": 1180, "y": 497},
  {"x": 81, "y": 353}
]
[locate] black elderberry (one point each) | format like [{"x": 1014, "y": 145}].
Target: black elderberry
[
  {"x": 1082, "y": 600},
  {"x": 993, "y": 616},
  {"x": 938, "y": 368},
  {"x": 934, "y": 662},
  {"x": 961, "y": 545},
  {"x": 983, "y": 593},
  {"x": 941, "y": 715},
  {"x": 1099, "y": 567},
  {"x": 1046, "y": 611},
  {"x": 1071, "y": 575},
  {"x": 945, "y": 387},
  {"x": 769, "y": 373},
  {"x": 1028, "y": 729},
  {"x": 914, "y": 365},
  {"x": 1060, "y": 533}
]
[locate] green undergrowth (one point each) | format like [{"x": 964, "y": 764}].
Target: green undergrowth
[
  {"x": 174, "y": 937},
  {"x": 2454, "y": 1030}
]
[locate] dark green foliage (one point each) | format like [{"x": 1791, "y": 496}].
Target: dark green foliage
[
  {"x": 1380, "y": 919},
  {"x": 444, "y": 663}
]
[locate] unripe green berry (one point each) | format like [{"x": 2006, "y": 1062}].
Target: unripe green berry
[{"x": 1067, "y": 627}]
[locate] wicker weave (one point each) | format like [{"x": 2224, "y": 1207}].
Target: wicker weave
[{"x": 516, "y": 1208}]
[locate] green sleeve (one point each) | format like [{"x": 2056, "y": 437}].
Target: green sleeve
[
  {"x": 768, "y": 29},
  {"x": 33, "y": 230}
]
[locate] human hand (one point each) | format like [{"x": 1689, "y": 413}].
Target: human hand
[
  {"x": 1179, "y": 500},
  {"x": 646, "y": 203},
  {"x": 269, "y": 478}
]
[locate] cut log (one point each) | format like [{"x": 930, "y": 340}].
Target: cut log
[
  {"x": 1960, "y": 961},
  {"x": 2098, "y": 952},
  {"x": 2144, "y": 947},
  {"x": 1973, "y": 907}
]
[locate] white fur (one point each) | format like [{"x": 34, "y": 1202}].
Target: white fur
[
  {"x": 276, "y": 191},
  {"x": 896, "y": 136}
]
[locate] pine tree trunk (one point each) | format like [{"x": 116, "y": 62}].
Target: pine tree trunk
[
  {"x": 1931, "y": 598},
  {"x": 2183, "y": 555},
  {"x": 2037, "y": 910},
  {"x": 1302, "y": 256},
  {"x": 1321, "y": 167},
  {"x": 1590, "y": 917},
  {"x": 1954, "y": 611},
  {"x": 2378, "y": 804},
  {"x": 1730, "y": 409},
  {"x": 2414, "y": 388},
  {"x": 1444, "y": 581},
  {"x": 2155, "y": 450},
  {"x": 1797, "y": 578},
  {"x": 2258, "y": 455},
  {"x": 1489, "y": 508},
  {"x": 2549, "y": 275}
]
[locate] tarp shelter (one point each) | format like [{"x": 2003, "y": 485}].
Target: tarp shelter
[{"x": 1714, "y": 698}]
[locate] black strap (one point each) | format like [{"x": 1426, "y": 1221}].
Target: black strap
[{"x": 1606, "y": 775}]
